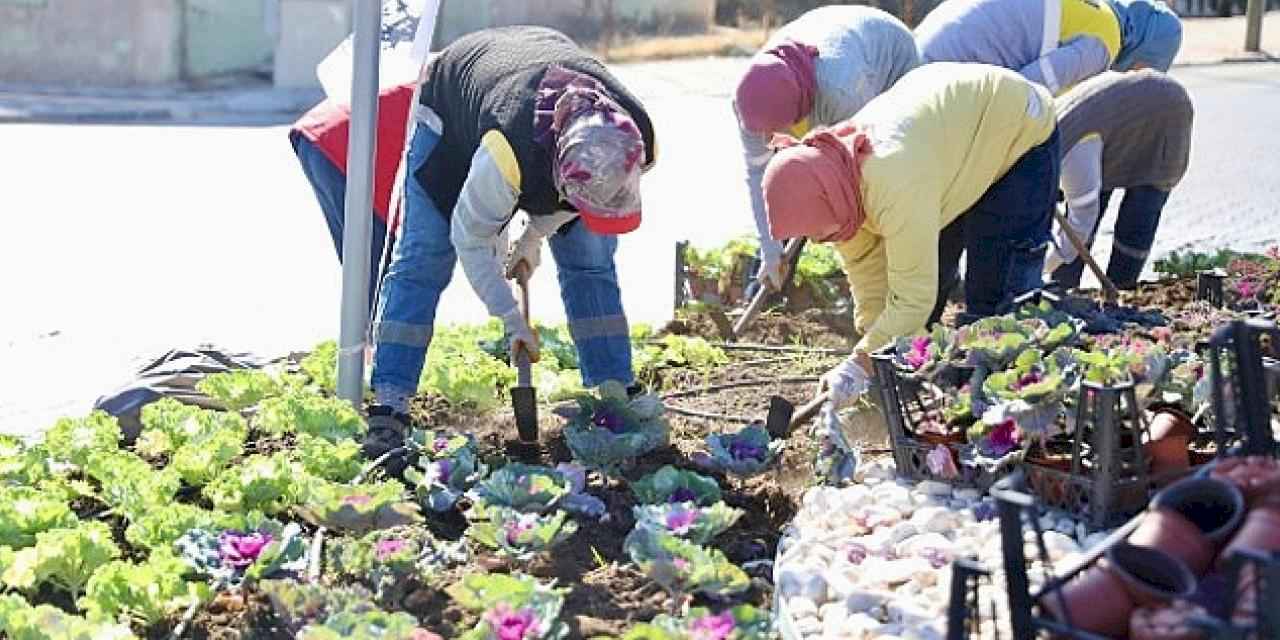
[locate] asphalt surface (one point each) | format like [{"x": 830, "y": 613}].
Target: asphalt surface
[{"x": 123, "y": 241}]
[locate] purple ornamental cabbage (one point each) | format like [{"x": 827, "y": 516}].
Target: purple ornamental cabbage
[
  {"x": 240, "y": 550},
  {"x": 1005, "y": 437},
  {"x": 385, "y": 549},
  {"x": 713, "y": 627},
  {"x": 510, "y": 624}
]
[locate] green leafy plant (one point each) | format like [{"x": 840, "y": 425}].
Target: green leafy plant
[
  {"x": 462, "y": 373},
  {"x": 298, "y": 604},
  {"x": 62, "y": 558},
  {"x": 358, "y": 508},
  {"x": 1189, "y": 263},
  {"x": 518, "y": 606},
  {"x": 996, "y": 341},
  {"x": 197, "y": 462},
  {"x": 330, "y": 418},
  {"x": 1030, "y": 396},
  {"x": 366, "y": 625},
  {"x": 73, "y": 440},
  {"x": 159, "y": 527},
  {"x": 689, "y": 521},
  {"x": 21, "y": 464},
  {"x": 683, "y": 568},
  {"x": 393, "y": 562},
  {"x": 21, "y": 621},
  {"x": 229, "y": 557},
  {"x": 259, "y": 483},
  {"x": 610, "y": 429},
  {"x": 521, "y": 535},
  {"x": 743, "y": 622},
  {"x": 746, "y": 453},
  {"x": 147, "y": 593},
  {"x": 241, "y": 388},
  {"x": 672, "y": 485},
  {"x": 25, "y": 512},
  {"x": 339, "y": 461},
  {"x": 321, "y": 366},
  {"x": 448, "y": 465},
  {"x": 128, "y": 484},
  {"x": 525, "y": 488}
]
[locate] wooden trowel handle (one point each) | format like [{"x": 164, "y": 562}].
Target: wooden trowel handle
[{"x": 807, "y": 411}]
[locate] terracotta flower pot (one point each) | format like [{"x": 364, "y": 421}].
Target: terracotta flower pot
[
  {"x": 1260, "y": 532},
  {"x": 929, "y": 437},
  {"x": 1168, "y": 531},
  {"x": 1096, "y": 600},
  {"x": 1257, "y": 477},
  {"x": 1166, "y": 623},
  {"x": 1168, "y": 450},
  {"x": 1214, "y": 506},
  {"x": 1151, "y": 576}
]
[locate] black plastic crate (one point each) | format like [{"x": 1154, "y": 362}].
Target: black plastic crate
[{"x": 1245, "y": 372}]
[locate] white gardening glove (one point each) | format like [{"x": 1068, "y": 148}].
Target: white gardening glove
[
  {"x": 846, "y": 383},
  {"x": 520, "y": 335},
  {"x": 526, "y": 247},
  {"x": 772, "y": 272}
]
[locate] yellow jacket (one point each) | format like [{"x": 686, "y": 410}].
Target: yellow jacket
[{"x": 941, "y": 137}]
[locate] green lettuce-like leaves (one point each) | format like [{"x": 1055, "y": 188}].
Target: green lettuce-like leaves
[
  {"x": 62, "y": 558},
  {"x": 21, "y": 464},
  {"x": 73, "y": 440},
  {"x": 148, "y": 593},
  {"x": 510, "y": 603},
  {"x": 448, "y": 465},
  {"x": 459, "y": 371},
  {"x": 366, "y": 625},
  {"x": 26, "y": 512},
  {"x": 682, "y": 567},
  {"x": 199, "y": 461},
  {"x": 242, "y": 388},
  {"x": 521, "y": 535},
  {"x": 610, "y": 429},
  {"x": 358, "y": 508},
  {"x": 258, "y": 483},
  {"x": 339, "y": 461},
  {"x": 21, "y": 621},
  {"x": 686, "y": 520},
  {"x": 746, "y": 453},
  {"x": 321, "y": 366},
  {"x": 159, "y": 527},
  {"x": 330, "y": 418},
  {"x": 670, "y": 484}
]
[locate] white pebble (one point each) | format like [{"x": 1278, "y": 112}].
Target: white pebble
[
  {"x": 802, "y": 582},
  {"x": 833, "y": 611},
  {"x": 801, "y": 607},
  {"x": 1059, "y": 545},
  {"x": 841, "y": 583},
  {"x": 935, "y": 520},
  {"x": 968, "y": 495},
  {"x": 808, "y": 626},
  {"x": 920, "y": 544},
  {"x": 866, "y": 601},
  {"x": 910, "y": 614},
  {"x": 902, "y": 531},
  {"x": 896, "y": 572},
  {"x": 934, "y": 488}
]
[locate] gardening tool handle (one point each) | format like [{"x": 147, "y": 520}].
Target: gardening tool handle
[
  {"x": 807, "y": 411},
  {"x": 1109, "y": 290},
  {"x": 789, "y": 254},
  {"x": 520, "y": 357}
]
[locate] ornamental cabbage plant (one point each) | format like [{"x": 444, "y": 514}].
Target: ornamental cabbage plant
[
  {"x": 687, "y": 520},
  {"x": 996, "y": 341},
  {"x": 159, "y": 527},
  {"x": 20, "y": 464},
  {"x": 525, "y": 488},
  {"x": 448, "y": 465},
  {"x": 298, "y": 604},
  {"x": 610, "y": 429},
  {"x": 746, "y": 453},
  {"x": 330, "y": 418},
  {"x": 682, "y": 567},
  {"x": 672, "y": 485},
  {"x": 510, "y": 607},
  {"x": 393, "y": 562},
  {"x": 521, "y": 536},
  {"x": 358, "y": 508},
  {"x": 73, "y": 440},
  {"x": 1030, "y": 395},
  {"x": 743, "y": 622},
  {"x": 367, "y": 625}
]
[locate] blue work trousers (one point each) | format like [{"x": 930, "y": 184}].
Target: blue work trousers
[{"x": 1135, "y": 232}]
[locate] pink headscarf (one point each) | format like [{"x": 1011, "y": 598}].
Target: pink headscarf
[
  {"x": 778, "y": 89},
  {"x": 815, "y": 185}
]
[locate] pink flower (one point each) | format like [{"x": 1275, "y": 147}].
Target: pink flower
[
  {"x": 1004, "y": 438},
  {"x": 679, "y": 563},
  {"x": 508, "y": 624},
  {"x": 240, "y": 550},
  {"x": 712, "y": 627},
  {"x": 1162, "y": 334},
  {"x": 941, "y": 463},
  {"x": 679, "y": 521},
  {"x": 387, "y": 548},
  {"x": 517, "y": 528},
  {"x": 1247, "y": 288},
  {"x": 1029, "y": 378},
  {"x": 918, "y": 356}
]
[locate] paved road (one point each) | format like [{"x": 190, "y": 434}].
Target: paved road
[{"x": 123, "y": 241}]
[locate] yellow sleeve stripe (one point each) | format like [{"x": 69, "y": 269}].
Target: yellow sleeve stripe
[{"x": 500, "y": 150}]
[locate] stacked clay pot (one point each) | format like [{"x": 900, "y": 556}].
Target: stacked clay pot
[{"x": 1169, "y": 447}]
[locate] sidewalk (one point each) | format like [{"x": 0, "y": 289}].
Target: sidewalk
[
  {"x": 1205, "y": 41},
  {"x": 1216, "y": 40}
]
